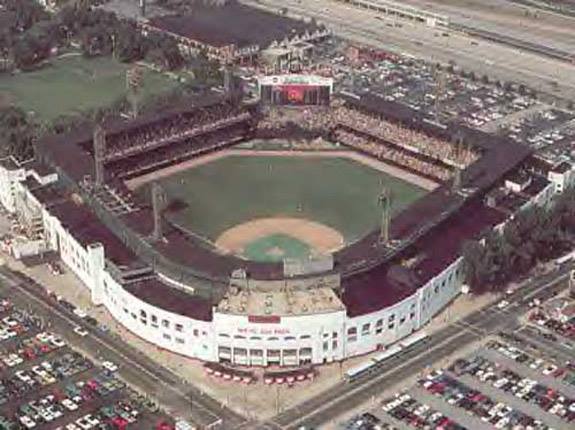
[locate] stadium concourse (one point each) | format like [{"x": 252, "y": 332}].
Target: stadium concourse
[{"x": 175, "y": 292}]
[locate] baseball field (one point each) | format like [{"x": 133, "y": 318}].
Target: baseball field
[{"x": 275, "y": 207}]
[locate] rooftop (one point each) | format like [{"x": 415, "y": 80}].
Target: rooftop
[
  {"x": 234, "y": 24},
  {"x": 279, "y": 303}
]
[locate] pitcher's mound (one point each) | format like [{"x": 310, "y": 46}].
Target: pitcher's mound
[{"x": 273, "y": 239}]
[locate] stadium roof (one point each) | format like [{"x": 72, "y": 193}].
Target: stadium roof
[{"x": 235, "y": 23}]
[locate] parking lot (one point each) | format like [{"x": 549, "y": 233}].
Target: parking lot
[
  {"x": 506, "y": 383},
  {"x": 45, "y": 383},
  {"x": 448, "y": 94}
]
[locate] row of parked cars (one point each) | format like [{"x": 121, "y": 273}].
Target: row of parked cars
[
  {"x": 22, "y": 382},
  {"x": 30, "y": 348},
  {"x": 498, "y": 414},
  {"x": 546, "y": 367},
  {"x": 16, "y": 324},
  {"x": 60, "y": 402},
  {"x": 526, "y": 389},
  {"x": 415, "y": 414},
  {"x": 565, "y": 329}
]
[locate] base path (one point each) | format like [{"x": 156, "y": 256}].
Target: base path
[
  {"x": 320, "y": 238},
  {"x": 412, "y": 178}
]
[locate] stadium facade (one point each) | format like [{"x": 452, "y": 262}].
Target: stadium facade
[{"x": 175, "y": 293}]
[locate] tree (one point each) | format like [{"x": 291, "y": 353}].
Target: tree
[{"x": 16, "y": 133}]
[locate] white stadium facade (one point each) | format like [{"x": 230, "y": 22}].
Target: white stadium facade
[{"x": 361, "y": 305}]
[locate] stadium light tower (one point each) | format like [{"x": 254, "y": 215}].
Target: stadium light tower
[
  {"x": 384, "y": 200},
  {"x": 158, "y": 203},
  {"x": 440, "y": 88},
  {"x": 134, "y": 80},
  {"x": 99, "y": 141},
  {"x": 456, "y": 185}
]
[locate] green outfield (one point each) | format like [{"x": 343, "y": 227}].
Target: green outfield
[
  {"x": 337, "y": 192},
  {"x": 72, "y": 84}
]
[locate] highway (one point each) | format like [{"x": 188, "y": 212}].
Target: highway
[
  {"x": 171, "y": 392},
  {"x": 346, "y": 396}
]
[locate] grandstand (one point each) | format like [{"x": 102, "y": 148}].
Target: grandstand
[{"x": 179, "y": 277}]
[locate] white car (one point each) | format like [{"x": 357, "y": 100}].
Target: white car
[
  {"x": 69, "y": 404},
  {"x": 108, "y": 365},
  {"x": 502, "y": 304},
  {"x": 80, "y": 312},
  {"x": 80, "y": 331}
]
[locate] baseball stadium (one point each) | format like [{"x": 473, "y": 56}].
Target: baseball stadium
[{"x": 339, "y": 235}]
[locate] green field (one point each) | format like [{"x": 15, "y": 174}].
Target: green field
[
  {"x": 337, "y": 192},
  {"x": 73, "y": 84}
]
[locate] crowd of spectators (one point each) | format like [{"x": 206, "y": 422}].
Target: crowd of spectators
[
  {"x": 411, "y": 149},
  {"x": 389, "y": 153},
  {"x": 173, "y": 129},
  {"x": 411, "y": 140},
  {"x": 179, "y": 151}
]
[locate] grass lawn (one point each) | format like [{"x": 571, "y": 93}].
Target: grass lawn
[
  {"x": 337, "y": 192},
  {"x": 72, "y": 84}
]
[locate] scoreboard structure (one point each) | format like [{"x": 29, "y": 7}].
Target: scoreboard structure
[{"x": 295, "y": 90}]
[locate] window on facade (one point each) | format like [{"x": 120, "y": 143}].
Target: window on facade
[
  {"x": 378, "y": 330},
  {"x": 305, "y": 336},
  {"x": 256, "y": 353},
  {"x": 402, "y": 320},
  {"x": 273, "y": 338},
  {"x": 334, "y": 335},
  {"x": 436, "y": 289},
  {"x": 305, "y": 351},
  {"x": 240, "y": 351},
  {"x": 180, "y": 340},
  {"x": 224, "y": 350},
  {"x": 223, "y": 335},
  {"x": 196, "y": 332},
  {"x": 351, "y": 331},
  {"x": 325, "y": 346},
  {"x": 255, "y": 338},
  {"x": 290, "y": 352},
  {"x": 379, "y": 323},
  {"x": 365, "y": 329},
  {"x": 412, "y": 315},
  {"x": 179, "y": 327},
  {"x": 334, "y": 344},
  {"x": 165, "y": 323},
  {"x": 391, "y": 326},
  {"x": 288, "y": 338},
  {"x": 239, "y": 336},
  {"x": 391, "y": 317},
  {"x": 166, "y": 336},
  {"x": 154, "y": 319}
]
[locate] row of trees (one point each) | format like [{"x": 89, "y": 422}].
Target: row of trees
[
  {"x": 33, "y": 34},
  {"x": 535, "y": 235}
]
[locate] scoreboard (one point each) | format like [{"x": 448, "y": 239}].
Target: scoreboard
[{"x": 295, "y": 90}]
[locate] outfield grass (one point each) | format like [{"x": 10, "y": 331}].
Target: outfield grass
[
  {"x": 73, "y": 84},
  {"x": 338, "y": 192}
]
